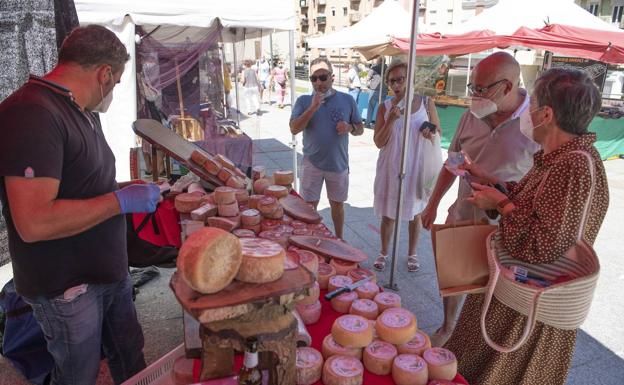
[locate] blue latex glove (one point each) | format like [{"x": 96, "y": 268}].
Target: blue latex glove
[{"x": 138, "y": 198}]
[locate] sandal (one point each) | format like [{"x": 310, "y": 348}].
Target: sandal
[
  {"x": 380, "y": 262},
  {"x": 413, "y": 265}
]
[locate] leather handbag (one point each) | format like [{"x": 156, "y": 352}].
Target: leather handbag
[{"x": 563, "y": 305}]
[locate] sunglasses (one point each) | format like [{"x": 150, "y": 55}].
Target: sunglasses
[
  {"x": 323, "y": 78},
  {"x": 476, "y": 90},
  {"x": 398, "y": 80}
]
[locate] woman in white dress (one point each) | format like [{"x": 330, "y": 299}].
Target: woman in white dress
[{"x": 424, "y": 160}]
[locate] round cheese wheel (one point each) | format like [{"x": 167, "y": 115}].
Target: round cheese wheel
[
  {"x": 409, "y": 369},
  {"x": 330, "y": 348},
  {"x": 283, "y": 178},
  {"x": 269, "y": 224},
  {"x": 309, "y": 366},
  {"x": 441, "y": 363},
  {"x": 267, "y": 206},
  {"x": 298, "y": 225},
  {"x": 224, "y": 195},
  {"x": 342, "y": 303},
  {"x": 311, "y": 298},
  {"x": 337, "y": 281},
  {"x": 242, "y": 196},
  {"x": 276, "y": 191},
  {"x": 396, "y": 325},
  {"x": 302, "y": 231},
  {"x": 255, "y": 228},
  {"x": 342, "y": 267},
  {"x": 387, "y": 300},
  {"x": 253, "y": 201},
  {"x": 360, "y": 273},
  {"x": 225, "y": 162},
  {"x": 416, "y": 345},
  {"x": 257, "y": 172},
  {"x": 212, "y": 166},
  {"x": 378, "y": 357},
  {"x": 279, "y": 238},
  {"x": 225, "y": 174},
  {"x": 309, "y": 260},
  {"x": 198, "y": 157},
  {"x": 310, "y": 314},
  {"x": 260, "y": 185},
  {"x": 368, "y": 290},
  {"x": 187, "y": 202},
  {"x": 352, "y": 331},
  {"x": 250, "y": 217},
  {"x": 182, "y": 372},
  {"x": 209, "y": 259},
  {"x": 228, "y": 209},
  {"x": 235, "y": 182},
  {"x": 343, "y": 370},
  {"x": 325, "y": 272},
  {"x": 364, "y": 307},
  {"x": 263, "y": 261},
  {"x": 244, "y": 233}
]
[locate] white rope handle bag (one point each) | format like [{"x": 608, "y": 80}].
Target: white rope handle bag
[{"x": 563, "y": 305}]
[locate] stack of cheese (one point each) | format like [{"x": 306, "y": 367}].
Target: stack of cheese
[{"x": 221, "y": 167}]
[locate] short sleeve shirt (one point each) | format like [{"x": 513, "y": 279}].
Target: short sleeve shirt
[
  {"x": 322, "y": 145},
  {"x": 45, "y": 134},
  {"x": 503, "y": 152}
]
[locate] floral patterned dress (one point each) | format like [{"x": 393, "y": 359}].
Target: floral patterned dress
[{"x": 541, "y": 228}]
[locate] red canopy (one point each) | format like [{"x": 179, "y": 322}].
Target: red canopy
[{"x": 564, "y": 39}]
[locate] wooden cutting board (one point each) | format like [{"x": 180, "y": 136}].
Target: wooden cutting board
[
  {"x": 328, "y": 247},
  {"x": 297, "y": 208}
]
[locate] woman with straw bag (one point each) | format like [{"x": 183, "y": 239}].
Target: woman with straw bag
[{"x": 559, "y": 204}]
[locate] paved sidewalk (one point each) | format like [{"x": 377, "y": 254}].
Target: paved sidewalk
[{"x": 599, "y": 356}]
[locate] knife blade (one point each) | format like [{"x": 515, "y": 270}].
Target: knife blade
[{"x": 345, "y": 289}]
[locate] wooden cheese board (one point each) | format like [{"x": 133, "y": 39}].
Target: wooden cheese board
[
  {"x": 299, "y": 209},
  {"x": 328, "y": 247}
]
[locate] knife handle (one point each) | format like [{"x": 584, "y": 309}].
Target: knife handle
[{"x": 336, "y": 293}]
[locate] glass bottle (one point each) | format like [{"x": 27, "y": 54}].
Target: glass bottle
[{"x": 249, "y": 373}]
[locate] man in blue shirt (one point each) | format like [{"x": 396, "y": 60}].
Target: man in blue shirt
[{"x": 326, "y": 118}]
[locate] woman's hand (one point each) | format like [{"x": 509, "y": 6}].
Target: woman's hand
[{"x": 485, "y": 197}]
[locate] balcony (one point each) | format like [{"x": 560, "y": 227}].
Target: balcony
[
  {"x": 321, "y": 20},
  {"x": 303, "y": 3},
  {"x": 355, "y": 17}
]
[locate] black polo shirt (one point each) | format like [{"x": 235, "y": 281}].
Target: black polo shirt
[{"x": 43, "y": 133}]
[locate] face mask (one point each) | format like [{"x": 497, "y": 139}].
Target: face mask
[
  {"x": 526, "y": 123},
  {"x": 482, "y": 107},
  {"x": 106, "y": 101}
]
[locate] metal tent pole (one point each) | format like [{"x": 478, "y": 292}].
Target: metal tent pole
[
  {"x": 291, "y": 77},
  {"x": 406, "y": 124}
]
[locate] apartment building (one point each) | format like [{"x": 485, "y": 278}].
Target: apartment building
[{"x": 611, "y": 11}]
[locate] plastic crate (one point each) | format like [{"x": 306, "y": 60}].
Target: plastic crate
[{"x": 159, "y": 372}]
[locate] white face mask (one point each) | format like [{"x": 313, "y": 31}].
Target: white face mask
[
  {"x": 526, "y": 123},
  {"x": 106, "y": 101},
  {"x": 482, "y": 107}
]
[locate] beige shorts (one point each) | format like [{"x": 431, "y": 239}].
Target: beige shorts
[{"x": 336, "y": 183}]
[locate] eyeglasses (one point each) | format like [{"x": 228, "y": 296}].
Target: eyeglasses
[
  {"x": 398, "y": 80},
  {"x": 323, "y": 78},
  {"x": 475, "y": 90}
]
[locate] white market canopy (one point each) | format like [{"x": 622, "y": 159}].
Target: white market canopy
[{"x": 388, "y": 20}]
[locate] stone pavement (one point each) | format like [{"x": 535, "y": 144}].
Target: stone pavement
[{"x": 599, "y": 356}]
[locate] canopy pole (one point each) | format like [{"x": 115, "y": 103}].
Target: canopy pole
[
  {"x": 468, "y": 73},
  {"x": 291, "y": 78},
  {"x": 236, "y": 80},
  {"x": 406, "y": 124}
]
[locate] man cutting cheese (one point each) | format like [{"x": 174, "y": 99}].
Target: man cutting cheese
[{"x": 67, "y": 237}]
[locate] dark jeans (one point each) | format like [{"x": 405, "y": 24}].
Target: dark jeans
[{"x": 75, "y": 329}]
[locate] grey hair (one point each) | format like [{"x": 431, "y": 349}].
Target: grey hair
[
  {"x": 572, "y": 95},
  {"x": 93, "y": 45},
  {"x": 322, "y": 59}
]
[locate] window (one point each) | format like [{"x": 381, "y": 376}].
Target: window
[
  {"x": 345, "y": 10},
  {"x": 616, "y": 17},
  {"x": 593, "y": 9}
]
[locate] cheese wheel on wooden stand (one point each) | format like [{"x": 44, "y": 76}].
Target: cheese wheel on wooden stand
[
  {"x": 260, "y": 185},
  {"x": 311, "y": 298},
  {"x": 224, "y": 195},
  {"x": 364, "y": 307},
  {"x": 343, "y": 370},
  {"x": 187, "y": 202},
  {"x": 244, "y": 233},
  {"x": 338, "y": 281},
  {"x": 209, "y": 259},
  {"x": 310, "y": 314},
  {"x": 342, "y": 267},
  {"x": 368, "y": 291},
  {"x": 267, "y": 206},
  {"x": 442, "y": 363},
  {"x": 352, "y": 331},
  {"x": 225, "y": 161},
  {"x": 378, "y": 357},
  {"x": 309, "y": 366},
  {"x": 283, "y": 178},
  {"x": 325, "y": 272},
  {"x": 342, "y": 303},
  {"x": 409, "y": 369},
  {"x": 212, "y": 166},
  {"x": 396, "y": 325},
  {"x": 182, "y": 371},
  {"x": 250, "y": 217},
  {"x": 416, "y": 345},
  {"x": 235, "y": 182},
  {"x": 263, "y": 261},
  {"x": 225, "y": 174},
  {"x": 228, "y": 209},
  {"x": 257, "y": 172},
  {"x": 360, "y": 273},
  {"x": 309, "y": 260},
  {"x": 330, "y": 348},
  {"x": 276, "y": 191},
  {"x": 387, "y": 300},
  {"x": 198, "y": 157}
]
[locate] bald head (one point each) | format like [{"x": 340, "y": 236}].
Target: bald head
[{"x": 499, "y": 65}]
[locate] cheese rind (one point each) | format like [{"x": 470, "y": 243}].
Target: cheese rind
[
  {"x": 387, "y": 300},
  {"x": 364, "y": 307},
  {"x": 352, "y": 331},
  {"x": 330, "y": 348},
  {"x": 416, "y": 345},
  {"x": 378, "y": 357},
  {"x": 343, "y": 370},
  {"x": 409, "y": 369},
  {"x": 309, "y": 366},
  {"x": 441, "y": 363},
  {"x": 209, "y": 259},
  {"x": 263, "y": 261},
  {"x": 396, "y": 325}
]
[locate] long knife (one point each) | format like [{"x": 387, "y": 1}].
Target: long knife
[{"x": 348, "y": 288}]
